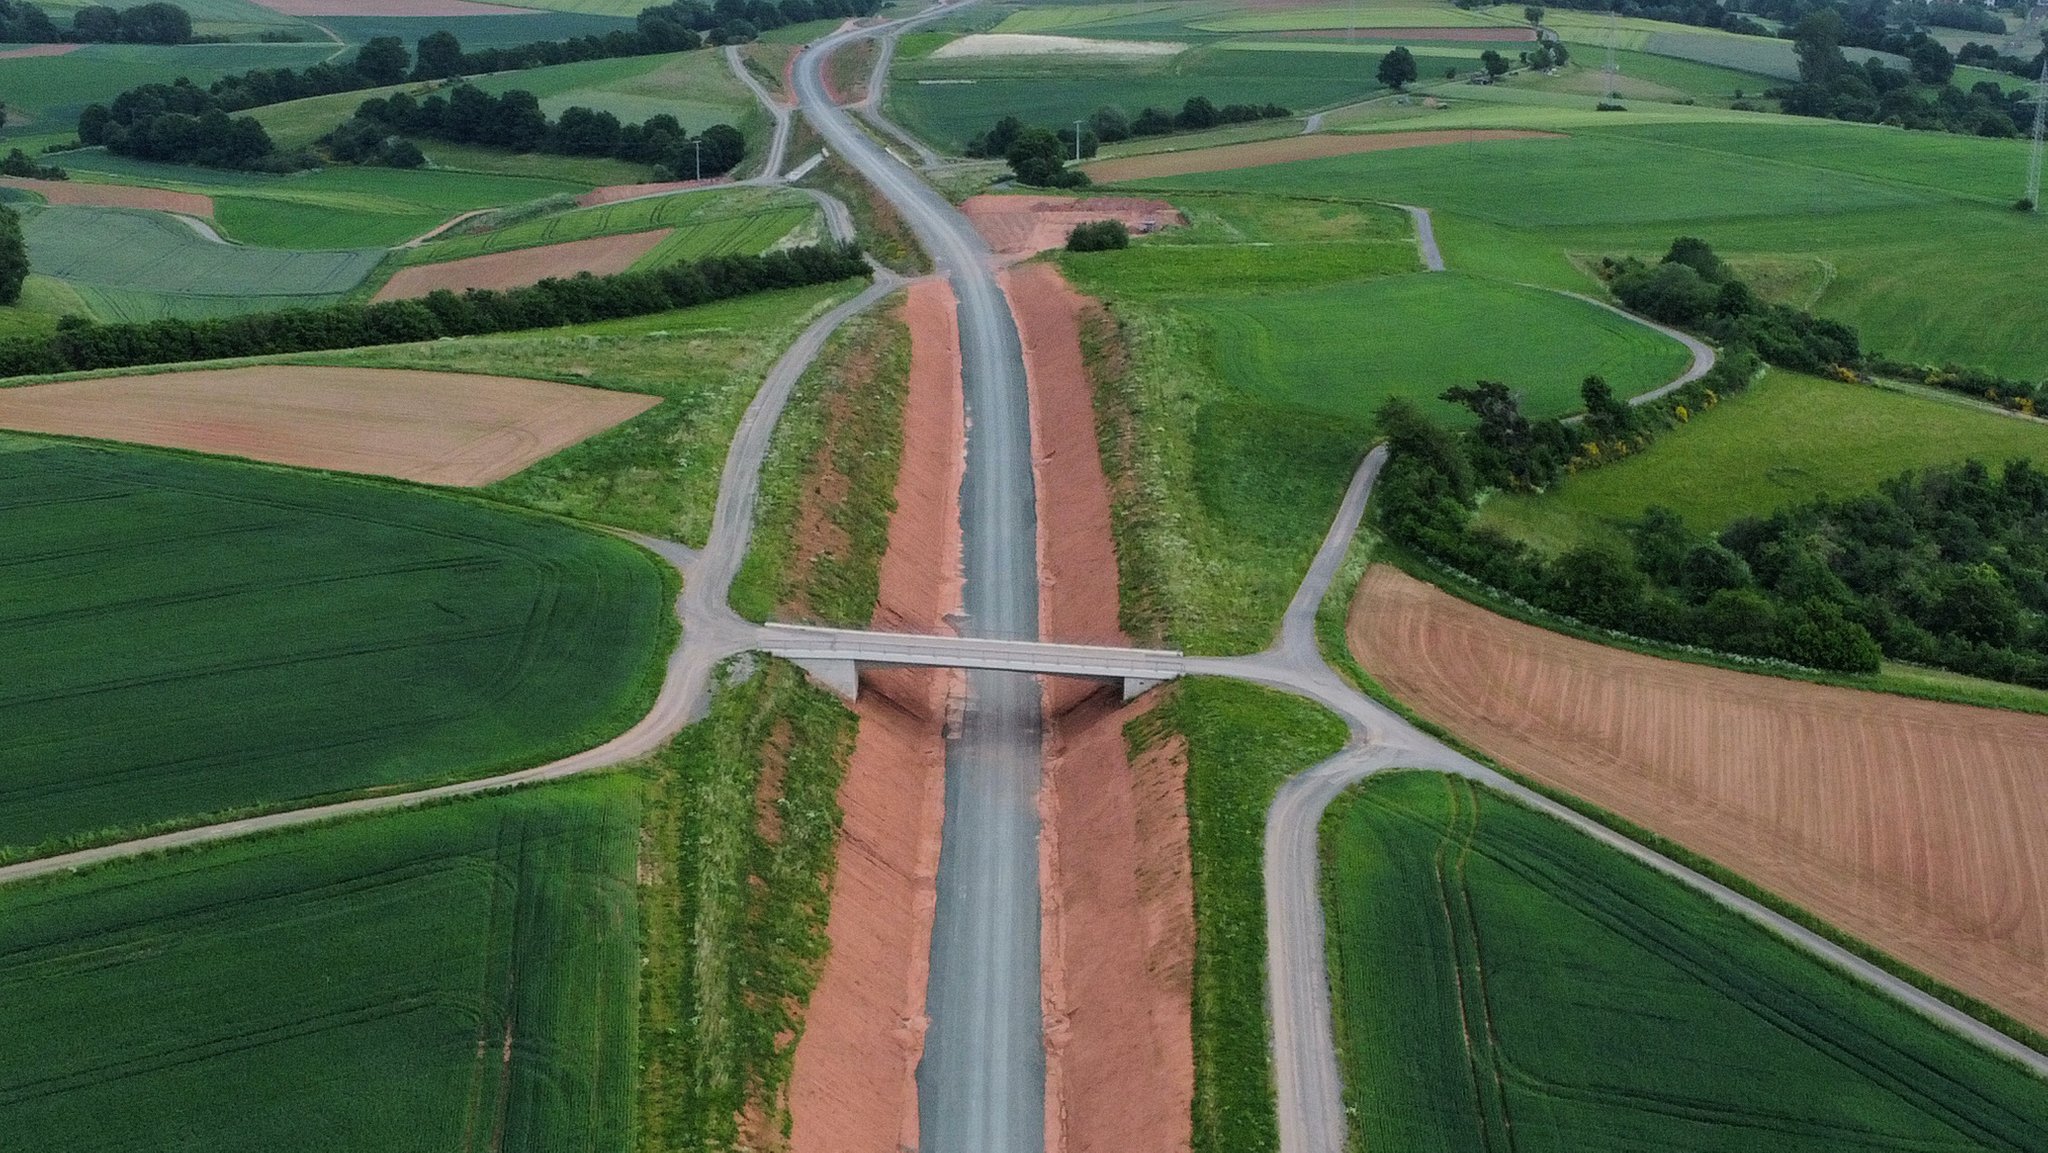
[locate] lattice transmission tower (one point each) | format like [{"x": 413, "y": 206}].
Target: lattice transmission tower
[
  {"x": 1613, "y": 69},
  {"x": 2040, "y": 122}
]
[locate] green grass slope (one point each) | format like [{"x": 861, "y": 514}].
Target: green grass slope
[
  {"x": 461, "y": 976},
  {"x": 192, "y": 637},
  {"x": 45, "y": 94},
  {"x": 709, "y": 223},
  {"x": 1790, "y": 438},
  {"x": 1498, "y": 973}
]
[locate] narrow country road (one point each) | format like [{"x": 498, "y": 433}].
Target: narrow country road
[{"x": 778, "y": 145}]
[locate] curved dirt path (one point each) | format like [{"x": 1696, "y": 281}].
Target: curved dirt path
[{"x": 778, "y": 147}]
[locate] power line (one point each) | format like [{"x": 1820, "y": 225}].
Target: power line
[
  {"x": 2040, "y": 121},
  {"x": 1613, "y": 69}
]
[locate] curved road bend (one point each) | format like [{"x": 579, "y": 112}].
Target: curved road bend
[
  {"x": 981, "y": 1084},
  {"x": 778, "y": 146}
]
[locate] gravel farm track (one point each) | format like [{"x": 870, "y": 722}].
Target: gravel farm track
[{"x": 1000, "y": 526}]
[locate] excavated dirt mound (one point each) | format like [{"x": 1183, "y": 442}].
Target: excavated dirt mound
[
  {"x": 613, "y": 193},
  {"x": 39, "y": 50},
  {"x": 113, "y": 195},
  {"x": 1919, "y": 827},
  {"x": 1019, "y": 226},
  {"x": 1255, "y": 153},
  {"x": 854, "y": 1086},
  {"x": 437, "y": 427},
  {"x": 602, "y": 256},
  {"x": 1118, "y": 928}
]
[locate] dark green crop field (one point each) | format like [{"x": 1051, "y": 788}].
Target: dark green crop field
[
  {"x": 457, "y": 977},
  {"x": 187, "y": 638},
  {"x": 1504, "y": 982}
]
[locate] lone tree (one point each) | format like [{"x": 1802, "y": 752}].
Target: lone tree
[
  {"x": 13, "y": 257},
  {"x": 1397, "y": 68},
  {"x": 1098, "y": 236},
  {"x": 1533, "y": 14},
  {"x": 1037, "y": 158},
  {"x": 1496, "y": 64}
]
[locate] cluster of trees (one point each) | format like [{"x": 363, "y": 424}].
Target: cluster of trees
[
  {"x": 2018, "y": 395},
  {"x": 155, "y": 23},
  {"x": 1987, "y": 56},
  {"x": 1109, "y": 124},
  {"x": 79, "y": 345},
  {"x": 1693, "y": 288},
  {"x": 514, "y": 121},
  {"x": 1098, "y": 236},
  {"x": 1918, "y": 96},
  {"x": 1698, "y": 13},
  {"x": 18, "y": 163},
  {"x": 182, "y": 123},
  {"x": 13, "y": 256},
  {"x": 738, "y": 21}
]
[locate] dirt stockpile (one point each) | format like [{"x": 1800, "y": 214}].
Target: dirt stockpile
[
  {"x": 437, "y": 427},
  {"x": 113, "y": 195},
  {"x": 854, "y": 1086},
  {"x": 1023, "y": 225},
  {"x": 1118, "y": 925},
  {"x": 1919, "y": 827},
  {"x": 601, "y": 256},
  {"x": 1225, "y": 157}
]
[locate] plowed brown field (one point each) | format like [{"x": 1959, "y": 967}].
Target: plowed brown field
[
  {"x": 1225, "y": 157},
  {"x": 1919, "y": 827},
  {"x": 437, "y": 427},
  {"x": 614, "y": 193},
  {"x": 1019, "y": 226},
  {"x": 113, "y": 195},
  {"x": 39, "y": 50},
  {"x": 600, "y": 256}
]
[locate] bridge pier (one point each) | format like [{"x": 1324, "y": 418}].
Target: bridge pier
[
  {"x": 1135, "y": 687},
  {"x": 842, "y": 677}
]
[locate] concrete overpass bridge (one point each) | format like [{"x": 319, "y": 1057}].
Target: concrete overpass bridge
[{"x": 834, "y": 656}]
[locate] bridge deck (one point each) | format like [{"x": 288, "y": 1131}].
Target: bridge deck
[{"x": 803, "y": 643}]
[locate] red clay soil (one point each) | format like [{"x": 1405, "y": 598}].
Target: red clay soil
[
  {"x": 1253, "y": 154},
  {"x": 1020, "y": 226},
  {"x": 391, "y": 8},
  {"x": 854, "y": 1086},
  {"x": 1118, "y": 929},
  {"x": 113, "y": 195},
  {"x": 1919, "y": 827},
  {"x": 613, "y": 193},
  {"x": 602, "y": 256},
  {"x": 39, "y": 50}
]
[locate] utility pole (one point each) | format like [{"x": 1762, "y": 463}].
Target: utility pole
[
  {"x": 2040, "y": 121},
  {"x": 1613, "y": 68},
  {"x": 697, "y": 150},
  {"x": 1083, "y": 120}
]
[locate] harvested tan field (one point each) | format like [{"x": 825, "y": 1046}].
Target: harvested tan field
[
  {"x": 600, "y": 256},
  {"x": 113, "y": 195},
  {"x": 1919, "y": 827},
  {"x": 854, "y": 1086},
  {"x": 1029, "y": 44},
  {"x": 1253, "y": 154},
  {"x": 613, "y": 193},
  {"x": 39, "y": 50},
  {"x": 437, "y": 427},
  {"x": 1019, "y": 226},
  {"x": 1118, "y": 915},
  {"x": 391, "y": 8}
]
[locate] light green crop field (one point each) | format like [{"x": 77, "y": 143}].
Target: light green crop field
[
  {"x": 44, "y": 94},
  {"x": 132, "y": 266},
  {"x": 218, "y": 637},
  {"x": 331, "y": 208},
  {"x": 1497, "y": 972},
  {"x": 657, "y": 473},
  {"x": 461, "y": 976},
  {"x": 1642, "y": 76},
  {"x": 707, "y": 223},
  {"x": 1925, "y": 255},
  {"x": 1788, "y": 439}
]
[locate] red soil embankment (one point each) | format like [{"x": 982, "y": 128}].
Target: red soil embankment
[
  {"x": 854, "y": 1086},
  {"x": 1019, "y": 226},
  {"x": 1118, "y": 929},
  {"x": 1919, "y": 827},
  {"x": 113, "y": 195},
  {"x": 614, "y": 193},
  {"x": 600, "y": 256},
  {"x": 1253, "y": 154},
  {"x": 39, "y": 50}
]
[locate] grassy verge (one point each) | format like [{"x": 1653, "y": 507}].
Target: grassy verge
[
  {"x": 1489, "y": 956},
  {"x": 877, "y": 227},
  {"x": 1242, "y": 742},
  {"x": 1330, "y": 619},
  {"x": 839, "y": 443},
  {"x": 740, "y": 822}
]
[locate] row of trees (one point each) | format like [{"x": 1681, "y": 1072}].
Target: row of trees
[
  {"x": 154, "y": 23},
  {"x": 1917, "y": 96},
  {"x": 181, "y": 123},
  {"x": 514, "y": 121},
  {"x": 13, "y": 256},
  {"x": 1693, "y": 288},
  {"x": 80, "y": 346},
  {"x": 1109, "y": 124}
]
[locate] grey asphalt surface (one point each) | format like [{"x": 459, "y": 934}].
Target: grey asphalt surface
[
  {"x": 981, "y": 1084},
  {"x": 870, "y": 106},
  {"x": 778, "y": 146}
]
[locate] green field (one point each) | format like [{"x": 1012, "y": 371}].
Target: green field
[
  {"x": 657, "y": 473},
  {"x": 707, "y": 224},
  {"x": 330, "y": 208},
  {"x": 44, "y": 94},
  {"x": 1496, "y": 972},
  {"x": 461, "y": 976},
  {"x": 1924, "y": 254},
  {"x": 1787, "y": 440},
  {"x": 132, "y": 266},
  {"x": 217, "y": 637},
  {"x": 240, "y": 18},
  {"x": 1251, "y": 352}
]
